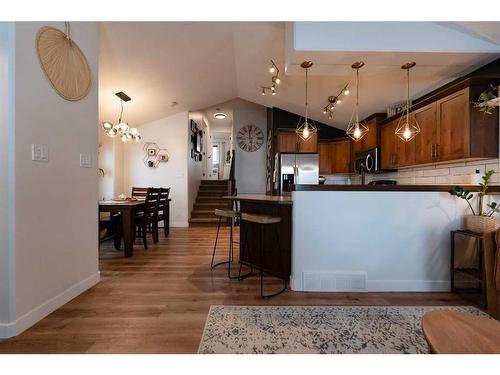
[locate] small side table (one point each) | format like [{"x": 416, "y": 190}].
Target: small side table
[{"x": 477, "y": 274}]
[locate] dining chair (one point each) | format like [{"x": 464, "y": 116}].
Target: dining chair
[
  {"x": 139, "y": 192},
  {"x": 146, "y": 221},
  {"x": 163, "y": 210}
]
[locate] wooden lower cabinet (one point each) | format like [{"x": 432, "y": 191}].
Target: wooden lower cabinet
[{"x": 335, "y": 156}]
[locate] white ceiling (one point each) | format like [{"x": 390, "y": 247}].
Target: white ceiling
[{"x": 200, "y": 64}]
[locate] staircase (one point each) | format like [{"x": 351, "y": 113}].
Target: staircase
[{"x": 209, "y": 198}]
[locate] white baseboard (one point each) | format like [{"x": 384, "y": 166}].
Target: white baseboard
[
  {"x": 38, "y": 313},
  {"x": 179, "y": 224},
  {"x": 389, "y": 285}
]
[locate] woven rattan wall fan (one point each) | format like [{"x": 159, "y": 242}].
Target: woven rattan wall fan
[{"x": 63, "y": 63}]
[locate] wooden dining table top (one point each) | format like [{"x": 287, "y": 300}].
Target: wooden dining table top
[{"x": 126, "y": 202}]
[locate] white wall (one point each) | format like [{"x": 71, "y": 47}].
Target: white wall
[
  {"x": 170, "y": 133},
  {"x": 400, "y": 240},
  {"x": 250, "y": 168},
  {"x": 7, "y": 256},
  {"x": 56, "y": 225}
]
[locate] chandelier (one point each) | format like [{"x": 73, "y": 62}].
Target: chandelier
[
  {"x": 408, "y": 126},
  {"x": 308, "y": 127},
  {"x": 356, "y": 129},
  {"x": 121, "y": 129}
]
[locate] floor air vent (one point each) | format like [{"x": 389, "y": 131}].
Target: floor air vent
[{"x": 334, "y": 281}]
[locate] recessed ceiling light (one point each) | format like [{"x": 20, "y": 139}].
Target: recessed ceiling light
[{"x": 220, "y": 115}]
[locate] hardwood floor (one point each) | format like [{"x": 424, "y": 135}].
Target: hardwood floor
[{"x": 157, "y": 301}]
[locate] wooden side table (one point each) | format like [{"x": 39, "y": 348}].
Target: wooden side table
[
  {"x": 451, "y": 332},
  {"x": 476, "y": 274}
]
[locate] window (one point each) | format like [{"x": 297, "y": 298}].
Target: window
[{"x": 215, "y": 154}]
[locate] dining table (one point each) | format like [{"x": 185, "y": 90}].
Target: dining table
[{"x": 127, "y": 208}]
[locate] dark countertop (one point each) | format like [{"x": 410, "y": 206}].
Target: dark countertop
[
  {"x": 273, "y": 199},
  {"x": 422, "y": 188}
]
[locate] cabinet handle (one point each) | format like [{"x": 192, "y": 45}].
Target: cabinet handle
[
  {"x": 433, "y": 151},
  {"x": 437, "y": 151}
]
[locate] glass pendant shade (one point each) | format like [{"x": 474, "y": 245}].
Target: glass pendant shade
[
  {"x": 307, "y": 128},
  {"x": 107, "y": 125},
  {"x": 408, "y": 126},
  {"x": 356, "y": 129}
]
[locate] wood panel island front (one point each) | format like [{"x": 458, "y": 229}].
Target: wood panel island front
[{"x": 278, "y": 206}]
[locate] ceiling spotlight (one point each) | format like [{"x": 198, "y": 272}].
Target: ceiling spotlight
[
  {"x": 263, "y": 92},
  {"x": 324, "y": 111},
  {"x": 333, "y": 100},
  {"x": 273, "y": 93},
  {"x": 271, "y": 69},
  {"x": 339, "y": 101},
  {"x": 273, "y": 88},
  {"x": 220, "y": 115},
  {"x": 276, "y": 80},
  {"x": 346, "y": 92}
]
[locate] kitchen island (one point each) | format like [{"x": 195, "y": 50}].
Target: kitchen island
[
  {"x": 280, "y": 206},
  {"x": 374, "y": 238}
]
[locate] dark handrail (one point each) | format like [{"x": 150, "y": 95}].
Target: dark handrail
[{"x": 232, "y": 180}]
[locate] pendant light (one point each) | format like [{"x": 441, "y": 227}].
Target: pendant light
[
  {"x": 356, "y": 129},
  {"x": 306, "y": 129},
  {"x": 407, "y": 127},
  {"x": 121, "y": 128}
]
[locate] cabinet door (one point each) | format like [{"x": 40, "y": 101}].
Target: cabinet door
[
  {"x": 454, "y": 131},
  {"x": 388, "y": 145},
  {"x": 369, "y": 141},
  {"x": 341, "y": 156},
  {"x": 427, "y": 140},
  {"x": 309, "y": 145},
  {"x": 325, "y": 158},
  {"x": 287, "y": 141}
]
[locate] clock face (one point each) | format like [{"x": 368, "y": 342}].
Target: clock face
[{"x": 250, "y": 138}]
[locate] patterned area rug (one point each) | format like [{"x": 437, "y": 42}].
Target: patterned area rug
[{"x": 318, "y": 329}]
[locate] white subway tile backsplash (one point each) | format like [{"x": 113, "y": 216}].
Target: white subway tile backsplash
[
  {"x": 464, "y": 179},
  {"x": 482, "y": 162},
  {"x": 425, "y": 180},
  {"x": 443, "y": 180},
  {"x": 437, "y": 172},
  {"x": 467, "y": 170}
]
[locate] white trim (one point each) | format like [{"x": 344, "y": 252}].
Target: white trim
[
  {"x": 390, "y": 285},
  {"x": 38, "y": 313},
  {"x": 179, "y": 224}
]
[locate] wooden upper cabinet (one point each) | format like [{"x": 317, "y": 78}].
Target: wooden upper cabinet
[
  {"x": 335, "y": 156},
  {"x": 309, "y": 145},
  {"x": 370, "y": 140},
  {"x": 426, "y": 141},
  {"x": 389, "y": 145},
  {"x": 325, "y": 157},
  {"x": 342, "y": 156},
  {"x": 289, "y": 141},
  {"x": 454, "y": 130}
]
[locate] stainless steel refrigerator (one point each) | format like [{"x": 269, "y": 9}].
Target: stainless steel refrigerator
[{"x": 297, "y": 169}]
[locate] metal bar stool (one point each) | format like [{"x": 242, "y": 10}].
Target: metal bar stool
[
  {"x": 232, "y": 215},
  {"x": 263, "y": 221}
]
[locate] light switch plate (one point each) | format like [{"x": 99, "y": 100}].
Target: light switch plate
[
  {"x": 40, "y": 153},
  {"x": 85, "y": 161}
]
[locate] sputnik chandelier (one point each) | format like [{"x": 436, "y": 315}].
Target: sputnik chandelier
[
  {"x": 334, "y": 100},
  {"x": 275, "y": 79},
  {"x": 121, "y": 129}
]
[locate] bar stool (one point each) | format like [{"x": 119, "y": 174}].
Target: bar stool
[
  {"x": 263, "y": 221},
  {"x": 232, "y": 215}
]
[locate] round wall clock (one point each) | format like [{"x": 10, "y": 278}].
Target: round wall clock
[{"x": 250, "y": 138}]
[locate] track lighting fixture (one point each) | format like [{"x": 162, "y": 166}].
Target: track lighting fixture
[
  {"x": 334, "y": 100},
  {"x": 275, "y": 79}
]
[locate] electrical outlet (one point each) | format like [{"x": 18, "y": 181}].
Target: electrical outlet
[
  {"x": 40, "y": 153},
  {"x": 85, "y": 161}
]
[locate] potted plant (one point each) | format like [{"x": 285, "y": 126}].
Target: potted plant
[
  {"x": 488, "y": 100},
  {"x": 480, "y": 221}
]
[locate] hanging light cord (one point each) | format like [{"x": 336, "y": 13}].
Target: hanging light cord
[
  {"x": 306, "y": 95},
  {"x": 357, "y": 96},
  {"x": 121, "y": 111},
  {"x": 407, "y": 97}
]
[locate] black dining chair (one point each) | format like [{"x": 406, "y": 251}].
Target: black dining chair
[
  {"x": 164, "y": 210},
  {"x": 146, "y": 221}
]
